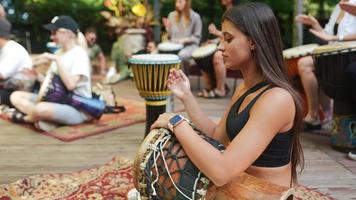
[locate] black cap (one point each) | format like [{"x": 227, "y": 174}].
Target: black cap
[
  {"x": 62, "y": 21},
  {"x": 5, "y": 28}
]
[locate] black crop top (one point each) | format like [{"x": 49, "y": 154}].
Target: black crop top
[{"x": 278, "y": 151}]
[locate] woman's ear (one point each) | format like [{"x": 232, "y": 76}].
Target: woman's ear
[{"x": 253, "y": 46}]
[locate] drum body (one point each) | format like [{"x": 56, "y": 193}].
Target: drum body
[
  {"x": 203, "y": 56},
  {"x": 54, "y": 90},
  {"x": 330, "y": 66},
  {"x": 150, "y": 75},
  {"x": 169, "y": 48},
  {"x": 292, "y": 55},
  {"x": 162, "y": 170}
]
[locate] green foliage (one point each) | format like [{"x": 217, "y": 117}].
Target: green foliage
[{"x": 87, "y": 13}]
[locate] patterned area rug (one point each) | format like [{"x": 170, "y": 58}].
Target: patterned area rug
[
  {"x": 135, "y": 113},
  {"x": 111, "y": 181}
]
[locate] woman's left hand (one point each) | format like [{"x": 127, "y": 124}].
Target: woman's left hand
[
  {"x": 162, "y": 121},
  {"x": 323, "y": 35},
  {"x": 48, "y": 56}
]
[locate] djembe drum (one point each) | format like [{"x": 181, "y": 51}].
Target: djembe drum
[
  {"x": 330, "y": 66},
  {"x": 151, "y": 74},
  {"x": 169, "y": 48},
  {"x": 162, "y": 170},
  {"x": 203, "y": 56},
  {"x": 53, "y": 90},
  {"x": 292, "y": 55}
]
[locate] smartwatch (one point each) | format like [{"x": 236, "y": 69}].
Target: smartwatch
[{"x": 175, "y": 120}]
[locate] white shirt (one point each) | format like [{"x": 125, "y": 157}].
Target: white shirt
[
  {"x": 13, "y": 60},
  {"x": 76, "y": 62},
  {"x": 347, "y": 24}
]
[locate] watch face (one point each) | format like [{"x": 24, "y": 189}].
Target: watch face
[{"x": 175, "y": 119}]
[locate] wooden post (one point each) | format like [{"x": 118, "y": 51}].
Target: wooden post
[
  {"x": 298, "y": 27},
  {"x": 157, "y": 17}
]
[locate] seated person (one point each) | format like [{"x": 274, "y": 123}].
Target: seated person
[
  {"x": 346, "y": 27},
  {"x": 14, "y": 59},
  {"x": 96, "y": 55},
  {"x": 184, "y": 26},
  {"x": 71, "y": 63},
  {"x": 221, "y": 89},
  {"x": 151, "y": 48}
]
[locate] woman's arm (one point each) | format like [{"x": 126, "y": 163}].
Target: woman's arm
[
  {"x": 272, "y": 113},
  {"x": 70, "y": 81}
]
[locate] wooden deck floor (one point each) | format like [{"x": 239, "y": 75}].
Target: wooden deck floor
[{"x": 24, "y": 152}]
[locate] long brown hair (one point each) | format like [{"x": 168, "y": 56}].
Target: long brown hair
[
  {"x": 185, "y": 12},
  {"x": 258, "y": 22}
]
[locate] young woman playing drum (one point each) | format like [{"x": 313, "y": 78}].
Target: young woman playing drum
[
  {"x": 345, "y": 24},
  {"x": 184, "y": 26},
  {"x": 71, "y": 63},
  {"x": 260, "y": 127}
]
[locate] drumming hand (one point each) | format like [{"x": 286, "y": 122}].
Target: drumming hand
[
  {"x": 162, "y": 121},
  {"x": 212, "y": 29},
  {"x": 306, "y": 20},
  {"x": 48, "y": 56},
  {"x": 323, "y": 35},
  {"x": 178, "y": 82},
  {"x": 166, "y": 23},
  {"x": 348, "y": 7}
]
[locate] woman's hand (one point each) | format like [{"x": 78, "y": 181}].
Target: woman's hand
[
  {"x": 48, "y": 56},
  {"x": 178, "y": 82},
  {"x": 324, "y": 36},
  {"x": 306, "y": 20},
  {"x": 162, "y": 121},
  {"x": 212, "y": 29},
  {"x": 166, "y": 23},
  {"x": 348, "y": 7}
]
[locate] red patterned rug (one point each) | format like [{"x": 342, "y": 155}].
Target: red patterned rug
[
  {"x": 135, "y": 113},
  {"x": 108, "y": 182}
]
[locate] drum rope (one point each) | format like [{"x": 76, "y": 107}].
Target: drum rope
[
  {"x": 167, "y": 169},
  {"x": 169, "y": 174}
]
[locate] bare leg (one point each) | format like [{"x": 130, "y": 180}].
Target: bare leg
[
  {"x": 24, "y": 102},
  {"x": 207, "y": 81},
  {"x": 44, "y": 111},
  {"x": 310, "y": 85},
  {"x": 220, "y": 72}
]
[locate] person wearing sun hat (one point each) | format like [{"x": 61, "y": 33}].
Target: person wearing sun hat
[
  {"x": 71, "y": 63},
  {"x": 13, "y": 60}
]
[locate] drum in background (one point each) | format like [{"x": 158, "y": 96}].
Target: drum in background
[
  {"x": 53, "y": 90},
  {"x": 330, "y": 66},
  {"x": 150, "y": 75},
  {"x": 162, "y": 170},
  {"x": 169, "y": 47},
  {"x": 203, "y": 56},
  {"x": 292, "y": 56}
]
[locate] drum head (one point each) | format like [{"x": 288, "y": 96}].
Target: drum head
[
  {"x": 335, "y": 47},
  {"x": 169, "y": 46},
  {"x": 44, "y": 86},
  {"x": 299, "y": 51},
  {"x": 154, "y": 59},
  {"x": 204, "y": 51}
]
